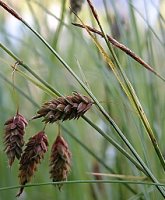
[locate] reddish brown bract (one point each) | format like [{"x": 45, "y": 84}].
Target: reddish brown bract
[
  {"x": 33, "y": 153},
  {"x": 60, "y": 161},
  {"x": 64, "y": 108},
  {"x": 13, "y": 139}
]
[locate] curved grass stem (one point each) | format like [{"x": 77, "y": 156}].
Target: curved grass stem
[{"x": 83, "y": 182}]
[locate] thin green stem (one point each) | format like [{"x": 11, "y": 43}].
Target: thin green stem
[{"x": 83, "y": 182}]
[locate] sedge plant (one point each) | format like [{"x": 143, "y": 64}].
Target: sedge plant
[{"x": 123, "y": 112}]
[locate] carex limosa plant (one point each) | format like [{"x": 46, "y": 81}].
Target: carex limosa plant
[{"x": 62, "y": 108}]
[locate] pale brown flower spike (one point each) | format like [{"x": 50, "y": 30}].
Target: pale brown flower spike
[
  {"x": 32, "y": 156},
  {"x": 64, "y": 108},
  {"x": 60, "y": 161},
  {"x": 13, "y": 138},
  {"x": 10, "y": 10}
]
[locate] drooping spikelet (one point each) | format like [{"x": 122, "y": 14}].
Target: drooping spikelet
[
  {"x": 60, "y": 161},
  {"x": 63, "y": 108},
  {"x": 33, "y": 153},
  {"x": 76, "y": 5},
  {"x": 13, "y": 138}
]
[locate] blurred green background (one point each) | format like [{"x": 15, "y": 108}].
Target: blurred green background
[{"x": 140, "y": 25}]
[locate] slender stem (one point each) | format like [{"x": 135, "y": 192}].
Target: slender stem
[
  {"x": 83, "y": 182},
  {"x": 15, "y": 96}
]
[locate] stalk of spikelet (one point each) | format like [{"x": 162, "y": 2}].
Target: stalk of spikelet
[
  {"x": 60, "y": 161},
  {"x": 76, "y": 5},
  {"x": 33, "y": 153},
  {"x": 64, "y": 108},
  {"x": 13, "y": 138}
]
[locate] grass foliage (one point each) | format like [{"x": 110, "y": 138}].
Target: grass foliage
[{"x": 120, "y": 141}]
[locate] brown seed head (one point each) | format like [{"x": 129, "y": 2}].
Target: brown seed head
[
  {"x": 60, "y": 161},
  {"x": 33, "y": 153},
  {"x": 64, "y": 108},
  {"x": 13, "y": 138}
]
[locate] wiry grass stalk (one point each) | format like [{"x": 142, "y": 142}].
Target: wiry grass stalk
[{"x": 84, "y": 182}]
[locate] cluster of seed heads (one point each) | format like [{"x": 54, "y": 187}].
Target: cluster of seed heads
[{"x": 59, "y": 109}]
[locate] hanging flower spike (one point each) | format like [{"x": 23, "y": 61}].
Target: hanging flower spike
[
  {"x": 33, "y": 153},
  {"x": 64, "y": 108},
  {"x": 60, "y": 161},
  {"x": 76, "y": 5},
  {"x": 13, "y": 138}
]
